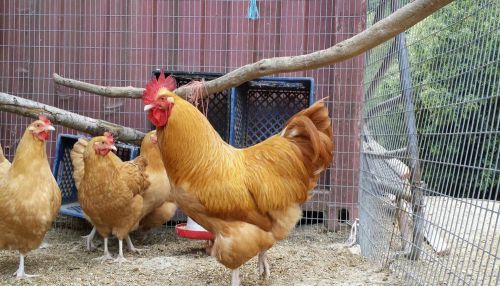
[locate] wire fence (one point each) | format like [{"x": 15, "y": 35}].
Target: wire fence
[
  {"x": 430, "y": 146},
  {"x": 119, "y": 43}
]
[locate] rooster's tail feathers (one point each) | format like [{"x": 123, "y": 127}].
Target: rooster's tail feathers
[
  {"x": 76, "y": 155},
  {"x": 310, "y": 130}
]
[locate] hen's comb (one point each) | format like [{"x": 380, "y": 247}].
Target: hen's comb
[
  {"x": 109, "y": 136},
  {"x": 44, "y": 119},
  {"x": 154, "y": 86}
]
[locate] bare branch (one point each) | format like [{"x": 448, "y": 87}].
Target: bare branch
[
  {"x": 377, "y": 34},
  {"x": 108, "y": 91},
  {"x": 94, "y": 127}
]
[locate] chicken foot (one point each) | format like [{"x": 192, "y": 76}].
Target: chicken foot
[
  {"x": 20, "y": 274},
  {"x": 235, "y": 277},
  {"x": 88, "y": 239},
  {"x": 107, "y": 255},
  {"x": 120, "y": 259},
  {"x": 131, "y": 246},
  {"x": 263, "y": 265}
]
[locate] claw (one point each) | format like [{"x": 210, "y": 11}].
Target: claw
[
  {"x": 20, "y": 274},
  {"x": 104, "y": 258},
  {"x": 106, "y": 255},
  {"x": 131, "y": 246},
  {"x": 120, "y": 260}
]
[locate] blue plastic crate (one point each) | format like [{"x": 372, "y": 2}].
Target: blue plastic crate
[
  {"x": 219, "y": 103},
  {"x": 63, "y": 171},
  {"x": 261, "y": 107}
]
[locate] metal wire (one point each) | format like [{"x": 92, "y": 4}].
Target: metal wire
[
  {"x": 119, "y": 43},
  {"x": 454, "y": 73}
]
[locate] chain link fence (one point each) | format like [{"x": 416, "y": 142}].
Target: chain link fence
[{"x": 430, "y": 146}]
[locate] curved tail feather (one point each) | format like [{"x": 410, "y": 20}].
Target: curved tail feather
[{"x": 310, "y": 130}]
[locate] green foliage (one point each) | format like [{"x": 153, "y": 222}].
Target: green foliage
[{"x": 454, "y": 58}]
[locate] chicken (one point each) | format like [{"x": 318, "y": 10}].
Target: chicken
[
  {"x": 29, "y": 195},
  {"x": 4, "y": 163},
  {"x": 158, "y": 206},
  {"x": 109, "y": 190},
  {"x": 248, "y": 198}
]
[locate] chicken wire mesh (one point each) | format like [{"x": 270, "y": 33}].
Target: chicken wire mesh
[
  {"x": 119, "y": 43},
  {"x": 430, "y": 146}
]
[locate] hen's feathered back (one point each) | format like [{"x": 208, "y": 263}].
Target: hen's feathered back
[
  {"x": 76, "y": 156},
  {"x": 4, "y": 163}
]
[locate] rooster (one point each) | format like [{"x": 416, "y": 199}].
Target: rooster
[
  {"x": 29, "y": 195},
  {"x": 158, "y": 206},
  {"x": 249, "y": 198},
  {"x": 109, "y": 190}
]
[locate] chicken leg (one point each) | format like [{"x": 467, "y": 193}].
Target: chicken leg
[
  {"x": 20, "y": 274},
  {"x": 131, "y": 246},
  {"x": 120, "y": 259},
  {"x": 235, "y": 277},
  {"x": 88, "y": 239},
  {"x": 107, "y": 255},
  {"x": 263, "y": 265}
]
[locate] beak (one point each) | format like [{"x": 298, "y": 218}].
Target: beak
[
  {"x": 113, "y": 147},
  {"x": 49, "y": 128},
  {"x": 148, "y": 107}
]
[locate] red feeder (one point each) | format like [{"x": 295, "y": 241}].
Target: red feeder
[{"x": 192, "y": 230}]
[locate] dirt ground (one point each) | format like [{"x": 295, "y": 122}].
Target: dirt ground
[{"x": 310, "y": 256}]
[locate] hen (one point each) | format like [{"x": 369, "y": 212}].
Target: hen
[
  {"x": 249, "y": 198},
  {"x": 109, "y": 190},
  {"x": 29, "y": 195},
  {"x": 158, "y": 206}
]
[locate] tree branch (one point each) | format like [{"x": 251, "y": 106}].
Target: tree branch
[
  {"x": 108, "y": 91},
  {"x": 94, "y": 127},
  {"x": 377, "y": 34}
]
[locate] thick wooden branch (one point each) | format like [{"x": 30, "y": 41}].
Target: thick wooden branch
[
  {"x": 377, "y": 34},
  {"x": 94, "y": 127}
]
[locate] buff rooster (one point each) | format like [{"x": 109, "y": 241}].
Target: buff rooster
[
  {"x": 29, "y": 195},
  {"x": 249, "y": 198},
  {"x": 109, "y": 190},
  {"x": 158, "y": 206}
]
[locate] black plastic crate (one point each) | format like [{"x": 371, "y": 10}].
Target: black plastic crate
[
  {"x": 261, "y": 107},
  {"x": 63, "y": 171},
  {"x": 219, "y": 103}
]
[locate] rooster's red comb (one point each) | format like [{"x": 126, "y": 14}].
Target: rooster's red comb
[
  {"x": 109, "y": 136},
  {"x": 154, "y": 86},
  {"x": 44, "y": 119}
]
